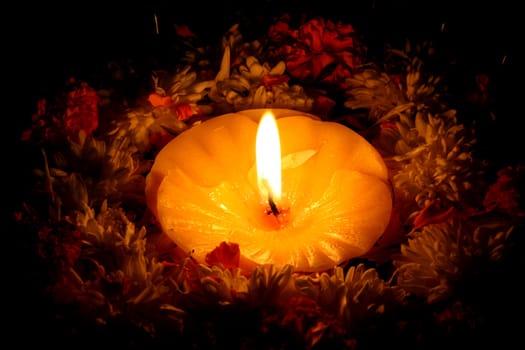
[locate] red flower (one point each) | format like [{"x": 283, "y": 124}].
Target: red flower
[
  {"x": 280, "y": 30},
  {"x": 320, "y": 50},
  {"x": 226, "y": 254},
  {"x": 271, "y": 80},
  {"x": 505, "y": 195},
  {"x": 61, "y": 244},
  {"x": 81, "y": 111},
  {"x": 302, "y": 64},
  {"x": 46, "y": 126}
]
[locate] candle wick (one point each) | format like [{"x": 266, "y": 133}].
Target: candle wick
[{"x": 273, "y": 206}]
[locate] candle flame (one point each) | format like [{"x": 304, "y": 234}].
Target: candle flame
[{"x": 268, "y": 157}]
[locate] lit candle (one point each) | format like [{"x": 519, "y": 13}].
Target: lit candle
[{"x": 213, "y": 184}]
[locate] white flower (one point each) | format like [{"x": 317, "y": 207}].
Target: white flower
[
  {"x": 435, "y": 162},
  {"x": 246, "y": 87},
  {"x": 353, "y": 296},
  {"x": 439, "y": 257}
]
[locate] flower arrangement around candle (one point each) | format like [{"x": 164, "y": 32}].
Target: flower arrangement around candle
[{"x": 455, "y": 219}]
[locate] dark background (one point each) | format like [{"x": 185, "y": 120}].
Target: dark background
[{"x": 47, "y": 43}]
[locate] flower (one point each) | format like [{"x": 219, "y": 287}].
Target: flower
[
  {"x": 172, "y": 104},
  {"x": 81, "y": 110},
  {"x": 256, "y": 85},
  {"x": 79, "y": 117},
  {"x": 352, "y": 297},
  {"x": 90, "y": 172},
  {"x": 435, "y": 162},
  {"x": 505, "y": 194},
  {"x": 429, "y": 152},
  {"x": 222, "y": 285},
  {"x": 437, "y": 258},
  {"x": 319, "y": 50},
  {"x": 60, "y": 245}
]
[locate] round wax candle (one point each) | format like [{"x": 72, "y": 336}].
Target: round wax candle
[{"x": 336, "y": 197}]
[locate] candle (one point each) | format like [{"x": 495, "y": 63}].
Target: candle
[{"x": 212, "y": 184}]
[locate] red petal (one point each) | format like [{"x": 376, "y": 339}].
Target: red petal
[
  {"x": 191, "y": 272},
  {"x": 271, "y": 80},
  {"x": 226, "y": 254},
  {"x": 319, "y": 62},
  {"x": 312, "y": 34},
  {"x": 433, "y": 214},
  {"x": 157, "y": 100},
  {"x": 183, "y": 111},
  {"x": 184, "y": 31}
]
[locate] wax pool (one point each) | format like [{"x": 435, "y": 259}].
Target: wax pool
[{"x": 203, "y": 189}]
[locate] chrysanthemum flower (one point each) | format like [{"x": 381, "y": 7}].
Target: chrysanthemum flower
[
  {"x": 428, "y": 152},
  {"x": 436, "y": 259},
  {"x": 214, "y": 285},
  {"x": 174, "y": 101},
  {"x": 354, "y": 296},
  {"x": 253, "y": 84},
  {"x": 435, "y": 160},
  {"x": 403, "y": 86}
]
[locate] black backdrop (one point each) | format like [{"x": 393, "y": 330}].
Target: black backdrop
[{"x": 46, "y": 43}]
